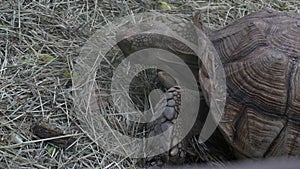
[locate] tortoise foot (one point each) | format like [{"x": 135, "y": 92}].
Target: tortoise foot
[{"x": 176, "y": 153}]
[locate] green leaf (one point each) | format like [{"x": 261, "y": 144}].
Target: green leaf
[
  {"x": 50, "y": 149},
  {"x": 68, "y": 74},
  {"x": 165, "y": 5},
  {"x": 44, "y": 57}
]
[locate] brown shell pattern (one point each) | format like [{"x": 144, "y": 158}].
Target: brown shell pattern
[{"x": 261, "y": 57}]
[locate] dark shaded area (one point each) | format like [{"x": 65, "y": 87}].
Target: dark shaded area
[
  {"x": 44, "y": 133},
  {"x": 276, "y": 163}
]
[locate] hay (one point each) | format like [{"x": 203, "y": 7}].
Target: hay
[{"x": 40, "y": 40}]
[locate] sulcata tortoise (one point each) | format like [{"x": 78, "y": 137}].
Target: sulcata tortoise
[
  {"x": 260, "y": 54},
  {"x": 261, "y": 57}
]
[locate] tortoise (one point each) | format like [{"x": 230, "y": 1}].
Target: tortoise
[
  {"x": 260, "y": 54},
  {"x": 261, "y": 57}
]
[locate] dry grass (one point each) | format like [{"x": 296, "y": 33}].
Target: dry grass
[{"x": 40, "y": 40}]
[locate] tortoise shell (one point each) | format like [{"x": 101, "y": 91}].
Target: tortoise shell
[{"x": 260, "y": 54}]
